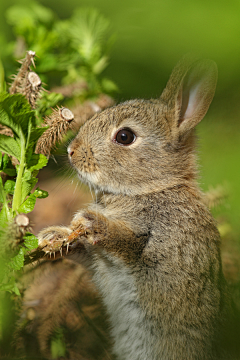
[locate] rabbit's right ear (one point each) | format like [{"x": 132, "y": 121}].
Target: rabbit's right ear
[{"x": 188, "y": 94}]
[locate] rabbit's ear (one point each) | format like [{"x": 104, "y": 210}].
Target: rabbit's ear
[{"x": 189, "y": 93}]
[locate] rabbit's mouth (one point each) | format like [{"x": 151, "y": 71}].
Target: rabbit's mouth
[
  {"x": 91, "y": 179},
  {"x": 94, "y": 183}
]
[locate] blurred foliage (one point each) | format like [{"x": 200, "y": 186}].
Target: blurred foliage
[
  {"x": 72, "y": 50},
  {"x": 58, "y": 346}
]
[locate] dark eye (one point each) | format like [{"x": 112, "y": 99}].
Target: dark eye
[{"x": 125, "y": 136}]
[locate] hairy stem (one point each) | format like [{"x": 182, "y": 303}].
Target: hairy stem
[
  {"x": 3, "y": 196},
  {"x": 17, "y": 197}
]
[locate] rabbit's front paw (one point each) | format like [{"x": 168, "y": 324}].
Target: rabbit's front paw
[
  {"x": 53, "y": 238},
  {"x": 91, "y": 225}
]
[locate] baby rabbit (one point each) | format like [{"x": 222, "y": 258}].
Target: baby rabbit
[{"x": 149, "y": 240}]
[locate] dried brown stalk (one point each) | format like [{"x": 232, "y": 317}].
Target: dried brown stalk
[
  {"x": 71, "y": 245},
  {"x": 20, "y": 226},
  {"x": 59, "y": 123},
  {"x": 32, "y": 88},
  {"x": 20, "y": 79},
  {"x": 27, "y": 82}
]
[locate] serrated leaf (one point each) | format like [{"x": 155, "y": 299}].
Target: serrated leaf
[
  {"x": 18, "y": 261},
  {"x": 9, "y": 187},
  {"x": 30, "y": 241},
  {"x": 5, "y": 119},
  {"x": 10, "y": 146},
  {"x": 28, "y": 205},
  {"x": 27, "y": 186},
  {"x": 7, "y": 166},
  {"x": 37, "y": 162},
  {"x": 16, "y": 113}
]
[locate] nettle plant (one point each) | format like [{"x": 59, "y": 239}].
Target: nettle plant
[
  {"x": 24, "y": 151},
  {"x": 76, "y": 51}
]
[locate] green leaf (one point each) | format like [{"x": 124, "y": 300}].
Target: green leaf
[
  {"x": 10, "y": 172},
  {"x": 28, "y": 205},
  {"x": 4, "y": 217},
  {"x": 10, "y": 146},
  {"x": 37, "y": 162},
  {"x": 16, "y": 290},
  {"x": 27, "y": 175},
  {"x": 40, "y": 194},
  {"x": 7, "y": 165},
  {"x": 27, "y": 186},
  {"x": 36, "y": 134},
  {"x": 11, "y": 286},
  {"x": 4, "y": 117},
  {"x": 9, "y": 187},
  {"x": 58, "y": 346},
  {"x": 18, "y": 261},
  {"x": 109, "y": 86},
  {"x": 30, "y": 241},
  {"x": 16, "y": 113}
]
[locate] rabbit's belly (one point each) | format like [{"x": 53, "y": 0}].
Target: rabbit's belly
[{"x": 134, "y": 337}]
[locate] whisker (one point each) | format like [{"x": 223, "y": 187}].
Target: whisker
[{"x": 90, "y": 188}]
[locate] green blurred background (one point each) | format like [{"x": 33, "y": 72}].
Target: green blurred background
[{"x": 151, "y": 36}]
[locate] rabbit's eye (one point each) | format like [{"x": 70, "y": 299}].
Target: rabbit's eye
[{"x": 125, "y": 137}]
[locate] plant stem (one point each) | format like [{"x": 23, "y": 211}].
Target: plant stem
[
  {"x": 5, "y": 205},
  {"x": 17, "y": 197}
]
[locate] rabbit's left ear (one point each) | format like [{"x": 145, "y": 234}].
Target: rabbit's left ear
[{"x": 189, "y": 93}]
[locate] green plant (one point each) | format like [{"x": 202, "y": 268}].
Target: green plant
[
  {"x": 75, "y": 50},
  {"x": 25, "y": 138},
  {"x": 19, "y": 162}
]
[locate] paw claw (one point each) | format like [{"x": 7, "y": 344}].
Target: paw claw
[{"x": 52, "y": 239}]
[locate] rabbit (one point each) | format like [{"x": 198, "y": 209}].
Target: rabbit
[{"x": 149, "y": 241}]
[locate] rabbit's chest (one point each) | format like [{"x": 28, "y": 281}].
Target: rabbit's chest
[{"x": 132, "y": 332}]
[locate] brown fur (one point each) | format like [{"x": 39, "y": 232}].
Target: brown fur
[{"x": 151, "y": 242}]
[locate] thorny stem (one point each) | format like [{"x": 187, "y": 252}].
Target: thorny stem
[
  {"x": 29, "y": 59},
  {"x": 64, "y": 250}
]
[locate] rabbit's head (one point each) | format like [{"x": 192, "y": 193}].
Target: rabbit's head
[{"x": 141, "y": 146}]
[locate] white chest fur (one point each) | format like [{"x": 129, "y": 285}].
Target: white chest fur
[{"x": 132, "y": 333}]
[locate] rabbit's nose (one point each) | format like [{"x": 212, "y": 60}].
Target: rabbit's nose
[{"x": 70, "y": 151}]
